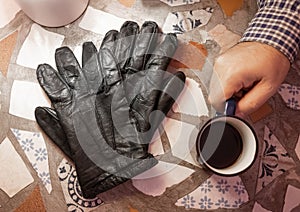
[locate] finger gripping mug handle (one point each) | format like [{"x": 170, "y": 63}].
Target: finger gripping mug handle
[{"x": 230, "y": 107}]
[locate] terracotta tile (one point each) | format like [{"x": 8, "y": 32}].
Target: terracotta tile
[
  {"x": 34, "y": 202},
  {"x": 191, "y": 55},
  {"x": 131, "y": 209},
  {"x": 229, "y": 7},
  {"x": 261, "y": 113},
  {"x": 7, "y": 46},
  {"x": 127, "y": 3}
]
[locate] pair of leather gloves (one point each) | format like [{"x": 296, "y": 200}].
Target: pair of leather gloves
[{"x": 106, "y": 112}]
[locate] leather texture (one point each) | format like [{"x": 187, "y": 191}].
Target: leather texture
[{"x": 106, "y": 112}]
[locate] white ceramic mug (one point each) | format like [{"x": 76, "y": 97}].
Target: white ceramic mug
[
  {"x": 53, "y": 13},
  {"x": 226, "y": 144}
]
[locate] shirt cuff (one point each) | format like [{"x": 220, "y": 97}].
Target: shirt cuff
[{"x": 278, "y": 27}]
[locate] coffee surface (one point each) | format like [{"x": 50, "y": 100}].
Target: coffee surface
[{"x": 220, "y": 145}]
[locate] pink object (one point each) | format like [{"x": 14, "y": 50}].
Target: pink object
[{"x": 53, "y": 13}]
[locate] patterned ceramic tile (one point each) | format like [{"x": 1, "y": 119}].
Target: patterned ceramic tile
[
  {"x": 25, "y": 97},
  {"x": 7, "y": 46},
  {"x": 34, "y": 146},
  {"x": 182, "y": 138},
  {"x": 94, "y": 18},
  {"x": 225, "y": 38},
  {"x": 14, "y": 175},
  {"x": 8, "y": 12},
  {"x": 179, "y": 2},
  {"x": 192, "y": 94},
  {"x": 274, "y": 160},
  {"x": 292, "y": 198},
  {"x": 216, "y": 192},
  {"x": 290, "y": 95},
  {"x": 34, "y": 202},
  {"x": 258, "y": 208},
  {"x": 229, "y": 7},
  {"x": 71, "y": 189},
  {"x": 39, "y": 47},
  {"x": 180, "y": 22},
  {"x": 156, "y": 180}
]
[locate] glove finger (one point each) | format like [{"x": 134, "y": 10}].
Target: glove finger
[
  {"x": 109, "y": 68},
  {"x": 49, "y": 122},
  {"x": 90, "y": 66},
  {"x": 144, "y": 45},
  {"x": 67, "y": 65},
  {"x": 53, "y": 84},
  {"x": 170, "y": 91},
  {"x": 125, "y": 42},
  {"x": 109, "y": 40},
  {"x": 162, "y": 55}
]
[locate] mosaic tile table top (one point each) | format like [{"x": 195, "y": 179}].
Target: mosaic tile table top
[{"x": 36, "y": 176}]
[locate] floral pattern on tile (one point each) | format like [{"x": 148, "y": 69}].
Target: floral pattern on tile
[
  {"x": 182, "y": 138},
  {"x": 174, "y": 3},
  {"x": 274, "y": 160},
  {"x": 94, "y": 18},
  {"x": 25, "y": 97},
  {"x": 72, "y": 191},
  {"x": 33, "y": 144},
  {"x": 156, "y": 180},
  {"x": 39, "y": 47},
  {"x": 14, "y": 175},
  {"x": 292, "y": 198},
  {"x": 216, "y": 192},
  {"x": 193, "y": 94},
  {"x": 180, "y": 22},
  {"x": 290, "y": 95}
]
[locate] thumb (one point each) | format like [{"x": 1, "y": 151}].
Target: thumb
[{"x": 255, "y": 98}]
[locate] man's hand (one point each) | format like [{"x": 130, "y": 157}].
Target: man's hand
[{"x": 251, "y": 71}]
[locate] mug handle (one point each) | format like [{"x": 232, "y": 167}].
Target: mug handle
[{"x": 230, "y": 107}]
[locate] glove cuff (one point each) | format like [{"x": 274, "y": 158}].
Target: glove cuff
[{"x": 107, "y": 181}]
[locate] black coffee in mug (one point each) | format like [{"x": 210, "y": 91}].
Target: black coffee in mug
[{"x": 220, "y": 145}]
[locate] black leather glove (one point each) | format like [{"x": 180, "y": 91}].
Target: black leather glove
[{"x": 102, "y": 110}]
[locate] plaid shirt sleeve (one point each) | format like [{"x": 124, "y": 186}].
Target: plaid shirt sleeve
[{"x": 276, "y": 23}]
